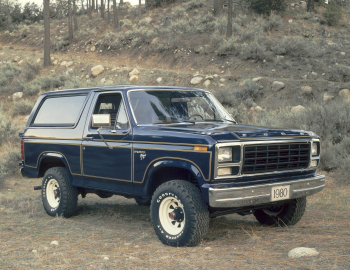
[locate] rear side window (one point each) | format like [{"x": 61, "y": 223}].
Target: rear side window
[{"x": 59, "y": 111}]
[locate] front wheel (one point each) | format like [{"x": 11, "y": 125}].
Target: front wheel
[
  {"x": 282, "y": 215},
  {"x": 179, "y": 214},
  {"x": 58, "y": 195}
]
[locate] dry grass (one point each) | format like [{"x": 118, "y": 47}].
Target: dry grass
[{"x": 119, "y": 229}]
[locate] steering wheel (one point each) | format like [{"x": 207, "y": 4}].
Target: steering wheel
[{"x": 195, "y": 115}]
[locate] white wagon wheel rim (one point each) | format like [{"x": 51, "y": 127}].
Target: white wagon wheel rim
[
  {"x": 172, "y": 215},
  {"x": 53, "y": 194}
]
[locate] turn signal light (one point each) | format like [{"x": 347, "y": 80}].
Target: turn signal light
[
  {"x": 200, "y": 148},
  {"x": 22, "y": 149}
]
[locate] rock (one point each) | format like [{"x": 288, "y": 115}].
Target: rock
[
  {"x": 221, "y": 85},
  {"x": 303, "y": 4},
  {"x": 93, "y": 48},
  {"x": 206, "y": 83},
  {"x": 55, "y": 63},
  {"x": 302, "y": 252},
  {"x": 134, "y": 72},
  {"x": 258, "y": 108},
  {"x": 52, "y": 71},
  {"x": 54, "y": 243},
  {"x": 222, "y": 72},
  {"x": 242, "y": 84},
  {"x": 207, "y": 248},
  {"x": 215, "y": 75},
  {"x": 70, "y": 63},
  {"x": 147, "y": 19},
  {"x": 297, "y": 109},
  {"x": 292, "y": 4},
  {"x": 276, "y": 86},
  {"x": 198, "y": 49},
  {"x": 20, "y": 62},
  {"x": 327, "y": 97},
  {"x": 38, "y": 60},
  {"x": 256, "y": 79},
  {"x": 106, "y": 258},
  {"x": 342, "y": 53},
  {"x": 134, "y": 78},
  {"x": 17, "y": 96},
  {"x": 64, "y": 63},
  {"x": 196, "y": 80},
  {"x": 100, "y": 51},
  {"x": 306, "y": 89},
  {"x": 290, "y": 21},
  {"x": 209, "y": 77},
  {"x": 103, "y": 80},
  {"x": 97, "y": 70},
  {"x": 155, "y": 41},
  {"x": 16, "y": 58},
  {"x": 1, "y": 54},
  {"x": 159, "y": 80},
  {"x": 345, "y": 95},
  {"x": 314, "y": 74},
  {"x": 222, "y": 80},
  {"x": 34, "y": 251}
]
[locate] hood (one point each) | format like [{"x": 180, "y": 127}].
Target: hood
[{"x": 225, "y": 131}]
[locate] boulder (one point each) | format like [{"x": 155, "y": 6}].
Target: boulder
[
  {"x": 97, "y": 70},
  {"x": 93, "y": 48},
  {"x": 64, "y": 63},
  {"x": 302, "y": 252},
  {"x": 277, "y": 86},
  {"x": 306, "y": 89},
  {"x": 303, "y": 4},
  {"x": 17, "y": 96},
  {"x": 134, "y": 72},
  {"x": 209, "y": 77},
  {"x": 222, "y": 80},
  {"x": 55, "y": 63},
  {"x": 196, "y": 80},
  {"x": 38, "y": 60},
  {"x": 327, "y": 97},
  {"x": 20, "y": 62},
  {"x": 342, "y": 53},
  {"x": 345, "y": 95},
  {"x": 103, "y": 80},
  {"x": 54, "y": 243},
  {"x": 314, "y": 74},
  {"x": 16, "y": 58},
  {"x": 206, "y": 83},
  {"x": 159, "y": 80},
  {"x": 70, "y": 63},
  {"x": 133, "y": 78},
  {"x": 298, "y": 109},
  {"x": 258, "y": 109},
  {"x": 215, "y": 75}
]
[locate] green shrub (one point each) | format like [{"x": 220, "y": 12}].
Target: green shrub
[
  {"x": 275, "y": 22},
  {"x": 194, "y": 4},
  {"x": 266, "y": 6},
  {"x": 31, "y": 89},
  {"x": 21, "y": 107},
  {"x": 8, "y": 129},
  {"x": 216, "y": 39},
  {"x": 9, "y": 164},
  {"x": 3, "y": 79},
  {"x": 10, "y": 71},
  {"x": 333, "y": 13},
  {"x": 177, "y": 12}
]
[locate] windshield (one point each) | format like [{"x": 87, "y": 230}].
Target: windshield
[{"x": 162, "y": 107}]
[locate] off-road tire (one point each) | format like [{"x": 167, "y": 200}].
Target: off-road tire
[
  {"x": 195, "y": 209},
  {"x": 289, "y": 214},
  {"x": 68, "y": 200},
  {"x": 143, "y": 201}
]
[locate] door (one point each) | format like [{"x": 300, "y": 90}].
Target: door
[{"x": 107, "y": 157}]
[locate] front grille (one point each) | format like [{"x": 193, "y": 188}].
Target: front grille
[{"x": 275, "y": 157}]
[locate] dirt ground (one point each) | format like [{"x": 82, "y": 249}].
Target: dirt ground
[{"x": 116, "y": 233}]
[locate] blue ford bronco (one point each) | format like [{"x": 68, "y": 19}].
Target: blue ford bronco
[{"x": 174, "y": 149}]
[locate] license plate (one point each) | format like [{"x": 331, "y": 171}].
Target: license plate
[{"x": 280, "y": 193}]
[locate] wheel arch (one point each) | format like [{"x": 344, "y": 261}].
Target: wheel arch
[{"x": 49, "y": 160}]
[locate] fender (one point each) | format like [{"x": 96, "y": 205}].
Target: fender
[
  {"x": 57, "y": 155},
  {"x": 175, "y": 163}
]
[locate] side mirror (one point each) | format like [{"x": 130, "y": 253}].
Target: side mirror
[{"x": 101, "y": 120}]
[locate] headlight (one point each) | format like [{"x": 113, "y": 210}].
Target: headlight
[
  {"x": 314, "y": 149},
  {"x": 225, "y": 154}
]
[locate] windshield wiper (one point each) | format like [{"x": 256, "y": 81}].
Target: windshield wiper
[
  {"x": 220, "y": 120},
  {"x": 169, "y": 122}
]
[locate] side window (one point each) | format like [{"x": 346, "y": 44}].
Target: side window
[
  {"x": 59, "y": 111},
  {"x": 113, "y": 105},
  {"x": 122, "y": 119}
]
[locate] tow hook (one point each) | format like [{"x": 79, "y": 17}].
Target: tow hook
[{"x": 37, "y": 187}]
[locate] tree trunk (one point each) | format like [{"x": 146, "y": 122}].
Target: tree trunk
[
  {"x": 139, "y": 9},
  {"x": 96, "y": 6},
  {"x": 89, "y": 8},
  {"x": 310, "y": 6},
  {"x": 102, "y": 10},
  {"x": 47, "y": 45},
  {"x": 75, "y": 16},
  {"x": 92, "y": 7},
  {"x": 229, "y": 19},
  {"x": 218, "y": 7},
  {"x": 70, "y": 21},
  {"x": 108, "y": 13},
  {"x": 115, "y": 14},
  {"x": 82, "y": 6},
  {"x": 121, "y": 2}
]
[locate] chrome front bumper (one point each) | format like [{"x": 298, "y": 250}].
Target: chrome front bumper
[{"x": 260, "y": 194}]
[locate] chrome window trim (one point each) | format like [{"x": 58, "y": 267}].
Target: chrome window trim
[{"x": 240, "y": 164}]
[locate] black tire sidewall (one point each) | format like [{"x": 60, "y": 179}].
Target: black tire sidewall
[
  {"x": 173, "y": 240},
  {"x": 49, "y": 209}
]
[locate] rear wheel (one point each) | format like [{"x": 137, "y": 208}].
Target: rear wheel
[
  {"x": 283, "y": 215},
  {"x": 58, "y": 195},
  {"x": 179, "y": 214}
]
